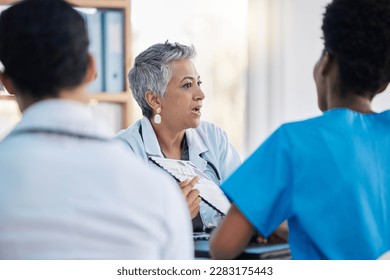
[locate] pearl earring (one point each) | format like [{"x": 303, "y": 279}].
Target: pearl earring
[{"x": 157, "y": 117}]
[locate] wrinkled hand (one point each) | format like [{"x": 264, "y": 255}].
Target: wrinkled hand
[{"x": 191, "y": 195}]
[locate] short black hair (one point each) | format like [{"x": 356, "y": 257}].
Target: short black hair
[
  {"x": 43, "y": 47},
  {"x": 357, "y": 34}
]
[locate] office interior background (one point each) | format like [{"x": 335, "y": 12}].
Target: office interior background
[{"x": 255, "y": 58}]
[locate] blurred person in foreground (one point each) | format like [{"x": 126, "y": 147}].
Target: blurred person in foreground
[
  {"x": 68, "y": 191},
  {"x": 167, "y": 87},
  {"x": 327, "y": 176}
]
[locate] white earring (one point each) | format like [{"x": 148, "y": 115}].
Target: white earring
[{"x": 157, "y": 117}]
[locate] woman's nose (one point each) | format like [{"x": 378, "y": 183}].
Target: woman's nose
[{"x": 199, "y": 94}]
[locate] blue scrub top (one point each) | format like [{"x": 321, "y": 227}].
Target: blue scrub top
[{"x": 329, "y": 177}]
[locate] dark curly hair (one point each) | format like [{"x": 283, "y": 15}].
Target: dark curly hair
[
  {"x": 357, "y": 34},
  {"x": 43, "y": 47}
]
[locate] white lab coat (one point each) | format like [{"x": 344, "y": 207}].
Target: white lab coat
[
  {"x": 68, "y": 191},
  {"x": 209, "y": 149}
]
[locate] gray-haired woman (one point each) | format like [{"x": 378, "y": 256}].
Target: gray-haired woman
[{"x": 166, "y": 86}]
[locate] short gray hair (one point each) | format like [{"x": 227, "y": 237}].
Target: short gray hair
[{"x": 151, "y": 71}]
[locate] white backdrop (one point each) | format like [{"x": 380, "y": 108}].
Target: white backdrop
[{"x": 284, "y": 44}]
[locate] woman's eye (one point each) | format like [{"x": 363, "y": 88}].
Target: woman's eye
[
  {"x": 187, "y": 85},
  {"x": 199, "y": 83}
]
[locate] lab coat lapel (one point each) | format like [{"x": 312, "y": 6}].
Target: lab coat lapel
[
  {"x": 152, "y": 147},
  {"x": 196, "y": 148}
]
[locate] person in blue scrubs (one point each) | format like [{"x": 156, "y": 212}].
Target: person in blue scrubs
[{"x": 328, "y": 176}]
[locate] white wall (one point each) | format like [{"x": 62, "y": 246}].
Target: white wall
[
  {"x": 284, "y": 44},
  {"x": 218, "y": 30}
]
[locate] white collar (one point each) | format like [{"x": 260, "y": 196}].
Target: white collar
[
  {"x": 196, "y": 145},
  {"x": 63, "y": 115}
]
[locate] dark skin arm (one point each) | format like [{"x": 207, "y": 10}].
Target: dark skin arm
[{"x": 233, "y": 235}]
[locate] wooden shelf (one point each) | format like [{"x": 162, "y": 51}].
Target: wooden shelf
[
  {"x": 123, "y": 98},
  {"x": 7, "y": 2},
  {"x": 99, "y": 97},
  {"x": 7, "y": 97},
  {"x": 113, "y": 4},
  {"x": 109, "y": 97}
]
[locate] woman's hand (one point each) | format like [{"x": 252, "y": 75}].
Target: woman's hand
[
  {"x": 191, "y": 195},
  {"x": 280, "y": 235}
]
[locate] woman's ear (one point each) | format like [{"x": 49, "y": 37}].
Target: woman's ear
[
  {"x": 152, "y": 100},
  {"x": 382, "y": 88},
  {"x": 23, "y": 100},
  {"x": 7, "y": 84},
  {"x": 91, "y": 71},
  {"x": 325, "y": 63}
]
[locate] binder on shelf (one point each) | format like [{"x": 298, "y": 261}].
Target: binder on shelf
[
  {"x": 209, "y": 191},
  {"x": 94, "y": 26},
  {"x": 113, "y": 57}
]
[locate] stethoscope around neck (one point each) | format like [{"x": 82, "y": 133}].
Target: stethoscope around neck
[
  {"x": 62, "y": 133},
  {"x": 215, "y": 171}
]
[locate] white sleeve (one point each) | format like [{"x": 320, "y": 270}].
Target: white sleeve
[
  {"x": 180, "y": 244},
  {"x": 229, "y": 157}
]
